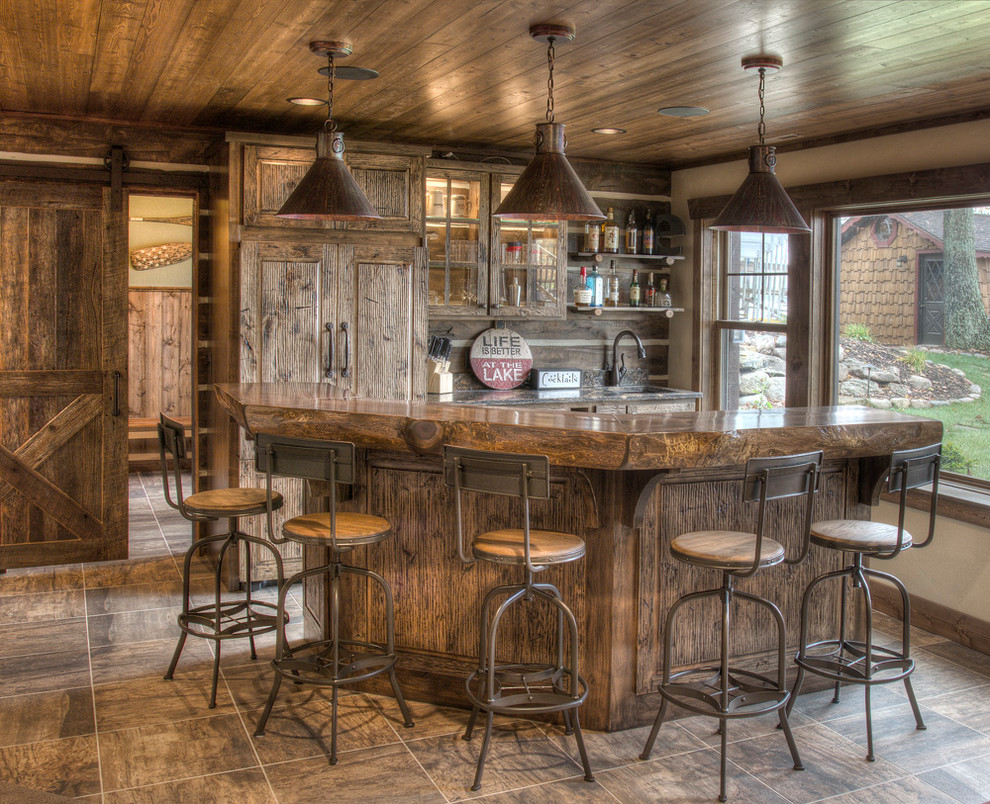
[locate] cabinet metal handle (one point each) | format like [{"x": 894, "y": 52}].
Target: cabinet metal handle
[
  {"x": 116, "y": 394},
  {"x": 346, "y": 371},
  {"x": 328, "y": 372}
]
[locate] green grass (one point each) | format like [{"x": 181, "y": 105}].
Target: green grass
[{"x": 967, "y": 424}]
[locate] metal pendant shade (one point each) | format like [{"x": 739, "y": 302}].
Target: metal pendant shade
[
  {"x": 549, "y": 189},
  {"x": 328, "y": 191},
  {"x": 761, "y": 204}
]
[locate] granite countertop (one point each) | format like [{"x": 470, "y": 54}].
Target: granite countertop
[{"x": 530, "y": 397}]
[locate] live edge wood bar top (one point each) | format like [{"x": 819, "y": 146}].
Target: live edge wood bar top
[
  {"x": 589, "y": 440},
  {"x": 626, "y": 485}
]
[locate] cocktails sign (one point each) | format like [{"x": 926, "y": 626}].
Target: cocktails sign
[{"x": 501, "y": 359}]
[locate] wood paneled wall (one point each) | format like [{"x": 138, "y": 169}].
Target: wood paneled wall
[{"x": 159, "y": 352}]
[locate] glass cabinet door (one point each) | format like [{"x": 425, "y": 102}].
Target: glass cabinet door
[
  {"x": 456, "y": 232},
  {"x": 528, "y": 277}
]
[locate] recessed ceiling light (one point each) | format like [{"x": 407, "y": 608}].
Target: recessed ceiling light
[
  {"x": 307, "y": 101},
  {"x": 682, "y": 111},
  {"x": 608, "y": 130},
  {"x": 349, "y": 73}
]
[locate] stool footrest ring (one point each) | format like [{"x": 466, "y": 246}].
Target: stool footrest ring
[
  {"x": 844, "y": 660},
  {"x": 313, "y": 663},
  {"x": 238, "y": 618},
  {"x": 749, "y": 695},
  {"x": 525, "y": 688}
]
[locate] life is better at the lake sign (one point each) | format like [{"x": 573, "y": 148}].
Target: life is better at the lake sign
[{"x": 501, "y": 359}]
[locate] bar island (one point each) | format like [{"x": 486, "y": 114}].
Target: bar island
[{"x": 626, "y": 483}]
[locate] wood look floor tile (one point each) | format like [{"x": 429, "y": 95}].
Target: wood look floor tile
[
  {"x": 430, "y": 720},
  {"x": 909, "y": 790},
  {"x": 35, "y": 606},
  {"x": 852, "y": 701},
  {"x": 968, "y": 782},
  {"x": 972, "y": 660},
  {"x": 704, "y": 728},
  {"x": 172, "y": 751},
  {"x": 150, "y": 659},
  {"x": 44, "y": 672},
  {"x": 126, "y": 627},
  {"x": 520, "y": 755},
  {"x": 121, "y": 573},
  {"x": 896, "y": 738},
  {"x": 624, "y": 747},
  {"x": 302, "y": 730},
  {"x": 41, "y": 716},
  {"x": 46, "y": 636},
  {"x": 833, "y": 764},
  {"x": 134, "y": 597},
  {"x": 564, "y": 792},
  {"x": 889, "y": 630},
  {"x": 41, "y": 579},
  {"x": 387, "y": 773},
  {"x": 250, "y": 684},
  {"x": 685, "y": 778},
  {"x": 971, "y": 708},
  {"x": 66, "y": 767},
  {"x": 244, "y": 787},
  {"x": 147, "y": 701},
  {"x": 934, "y": 675}
]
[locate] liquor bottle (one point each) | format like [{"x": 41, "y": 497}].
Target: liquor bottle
[
  {"x": 582, "y": 290},
  {"x": 613, "y": 286},
  {"x": 597, "y": 284},
  {"x": 634, "y": 290},
  {"x": 611, "y": 232},
  {"x": 591, "y": 238},
  {"x": 632, "y": 234},
  {"x": 649, "y": 294},
  {"x": 648, "y": 238},
  {"x": 663, "y": 296}
]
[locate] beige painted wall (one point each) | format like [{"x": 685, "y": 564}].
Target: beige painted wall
[{"x": 955, "y": 570}]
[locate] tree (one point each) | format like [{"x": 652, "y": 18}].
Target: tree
[{"x": 966, "y": 323}]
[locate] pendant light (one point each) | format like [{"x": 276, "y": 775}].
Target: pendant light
[
  {"x": 761, "y": 204},
  {"x": 328, "y": 191},
  {"x": 549, "y": 189}
]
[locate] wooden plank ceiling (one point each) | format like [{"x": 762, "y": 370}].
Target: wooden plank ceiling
[{"x": 460, "y": 73}]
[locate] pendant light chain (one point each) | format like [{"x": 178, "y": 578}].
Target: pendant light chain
[
  {"x": 550, "y": 79},
  {"x": 762, "y": 129},
  {"x": 330, "y": 124}
]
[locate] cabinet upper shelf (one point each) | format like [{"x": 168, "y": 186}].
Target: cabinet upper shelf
[{"x": 600, "y": 256}]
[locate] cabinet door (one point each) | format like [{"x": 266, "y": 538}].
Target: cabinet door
[
  {"x": 381, "y": 327},
  {"x": 393, "y": 185},
  {"x": 270, "y": 175}
]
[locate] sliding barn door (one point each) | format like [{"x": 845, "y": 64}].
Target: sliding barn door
[{"x": 63, "y": 361}]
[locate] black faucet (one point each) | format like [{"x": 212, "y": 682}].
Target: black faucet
[{"x": 615, "y": 373}]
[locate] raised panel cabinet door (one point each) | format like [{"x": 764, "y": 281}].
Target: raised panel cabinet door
[
  {"x": 393, "y": 184},
  {"x": 270, "y": 175},
  {"x": 63, "y": 375},
  {"x": 381, "y": 331}
]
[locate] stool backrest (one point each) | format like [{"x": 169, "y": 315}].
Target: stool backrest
[
  {"x": 778, "y": 478},
  {"x": 172, "y": 445},
  {"x": 503, "y": 473},
  {"x": 911, "y": 469},
  {"x": 307, "y": 459}
]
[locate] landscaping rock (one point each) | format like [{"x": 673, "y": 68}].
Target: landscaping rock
[
  {"x": 752, "y": 382},
  {"x": 919, "y": 383}
]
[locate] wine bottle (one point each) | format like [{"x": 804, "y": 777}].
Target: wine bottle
[
  {"x": 634, "y": 289},
  {"x": 613, "y": 286},
  {"x": 648, "y": 238},
  {"x": 650, "y": 292},
  {"x": 632, "y": 233},
  {"x": 611, "y": 232}
]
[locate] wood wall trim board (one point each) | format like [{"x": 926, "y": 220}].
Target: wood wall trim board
[
  {"x": 954, "y": 502},
  {"x": 246, "y": 234},
  {"x": 309, "y": 141},
  {"x": 935, "y": 617}
]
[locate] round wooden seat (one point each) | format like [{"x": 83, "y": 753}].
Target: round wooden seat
[
  {"x": 353, "y": 530},
  {"x": 230, "y": 502},
  {"x": 724, "y": 549},
  {"x": 855, "y": 536},
  {"x": 545, "y": 547}
]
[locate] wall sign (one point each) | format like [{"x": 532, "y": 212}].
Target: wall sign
[{"x": 501, "y": 359}]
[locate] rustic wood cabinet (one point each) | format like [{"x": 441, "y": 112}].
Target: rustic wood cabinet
[{"x": 481, "y": 267}]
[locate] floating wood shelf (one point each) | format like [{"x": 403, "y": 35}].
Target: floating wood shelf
[
  {"x": 668, "y": 311},
  {"x": 599, "y": 256}
]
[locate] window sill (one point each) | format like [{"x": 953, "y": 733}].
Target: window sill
[{"x": 960, "y": 501}]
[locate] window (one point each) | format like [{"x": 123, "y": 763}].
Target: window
[
  {"x": 911, "y": 319},
  {"x": 752, "y": 318}
]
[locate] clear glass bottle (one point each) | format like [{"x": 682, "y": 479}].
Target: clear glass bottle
[
  {"x": 591, "y": 238},
  {"x": 663, "y": 295},
  {"x": 611, "y": 232},
  {"x": 650, "y": 292},
  {"x": 648, "y": 237},
  {"x": 613, "y": 286},
  {"x": 632, "y": 233},
  {"x": 634, "y": 290},
  {"x": 597, "y": 283},
  {"x": 582, "y": 290}
]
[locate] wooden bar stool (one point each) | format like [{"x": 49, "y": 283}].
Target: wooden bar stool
[
  {"x": 851, "y": 661},
  {"x": 333, "y": 662},
  {"x": 225, "y": 617},
  {"x": 505, "y": 687},
  {"x": 726, "y": 692}
]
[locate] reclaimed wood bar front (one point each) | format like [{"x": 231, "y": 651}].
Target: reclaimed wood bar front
[{"x": 627, "y": 484}]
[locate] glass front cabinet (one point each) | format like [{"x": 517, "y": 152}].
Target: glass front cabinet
[{"x": 481, "y": 267}]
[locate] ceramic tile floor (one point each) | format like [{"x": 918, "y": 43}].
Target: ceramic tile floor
[{"x": 84, "y": 713}]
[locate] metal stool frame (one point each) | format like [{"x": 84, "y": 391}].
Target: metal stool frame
[
  {"x": 333, "y": 662},
  {"x": 860, "y": 661},
  {"x": 516, "y": 688},
  {"x": 730, "y": 693},
  {"x": 222, "y": 619}
]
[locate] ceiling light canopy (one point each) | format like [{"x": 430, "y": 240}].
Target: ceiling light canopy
[
  {"x": 761, "y": 204},
  {"x": 549, "y": 189},
  {"x": 328, "y": 190}
]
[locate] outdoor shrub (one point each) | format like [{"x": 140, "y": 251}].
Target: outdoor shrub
[
  {"x": 915, "y": 359},
  {"x": 954, "y": 460},
  {"x": 858, "y": 332}
]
